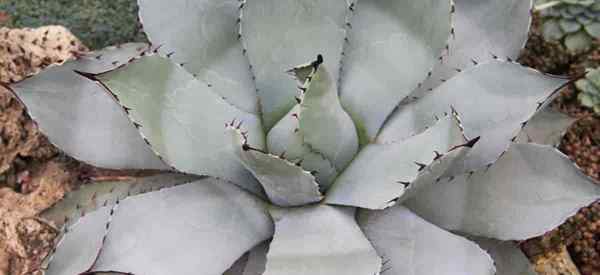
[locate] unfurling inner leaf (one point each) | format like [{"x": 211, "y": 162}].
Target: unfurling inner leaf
[
  {"x": 317, "y": 131},
  {"x": 284, "y": 182}
]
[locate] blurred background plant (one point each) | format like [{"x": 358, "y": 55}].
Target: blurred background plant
[
  {"x": 98, "y": 23},
  {"x": 589, "y": 89},
  {"x": 573, "y": 22}
]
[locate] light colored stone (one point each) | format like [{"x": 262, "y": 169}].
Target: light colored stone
[{"x": 24, "y": 52}]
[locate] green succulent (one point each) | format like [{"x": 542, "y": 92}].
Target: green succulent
[
  {"x": 574, "y": 22},
  {"x": 589, "y": 90},
  {"x": 402, "y": 124}
]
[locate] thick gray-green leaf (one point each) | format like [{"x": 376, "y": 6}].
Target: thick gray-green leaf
[
  {"x": 551, "y": 30},
  {"x": 198, "y": 227},
  {"x": 182, "y": 118},
  {"x": 392, "y": 44},
  {"x": 326, "y": 127},
  {"x": 90, "y": 197},
  {"x": 530, "y": 190},
  {"x": 381, "y": 173},
  {"x": 584, "y": 20},
  {"x": 257, "y": 259},
  {"x": 508, "y": 257},
  {"x": 203, "y": 35},
  {"x": 251, "y": 263},
  {"x": 317, "y": 130},
  {"x": 79, "y": 117},
  {"x": 238, "y": 266},
  {"x": 279, "y": 34},
  {"x": 285, "y": 183},
  {"x": 412, "y": 246},
  {"x": 78, "y": 249},
  {"x": 482, "y": 29},
  {"x": 569, "y": 25},
  {"x": 546, "y": 127},
  {"x": 593, "y": 29},
  {"x": 579, "y": 41},
  {"x": 284, "y": 139},
  {"x": 492, "y": 99},
  {"x": 319, "y": 240}
]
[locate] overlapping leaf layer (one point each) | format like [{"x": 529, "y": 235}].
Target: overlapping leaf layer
[{"x": 405, "y": 119}]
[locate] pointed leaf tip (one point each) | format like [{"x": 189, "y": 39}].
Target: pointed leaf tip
[
  {"x": 487, "y": 91},
  {"x": 295, "y": 30},
  {"x": 319, "y": 61},
  {"x": 179, "y": 112},
  {"x": 472, "y": 142},
  {"x": 318, "y": 129},
  {"x": 65, "y": 105}
]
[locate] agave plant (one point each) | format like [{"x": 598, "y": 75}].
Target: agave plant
[
  {"x": 589, "y": 90},
  {"x": 574, "y": 22},
  {"x": 405, "y": 119}
]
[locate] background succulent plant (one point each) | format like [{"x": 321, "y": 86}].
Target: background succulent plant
[
  {"x": 589, "y": 90},
  {"x": 405, "y": 119},
  {"x": 574, "y": 22}
]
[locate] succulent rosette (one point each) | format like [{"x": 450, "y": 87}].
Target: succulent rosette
[{"x": 310, "y": 137}]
